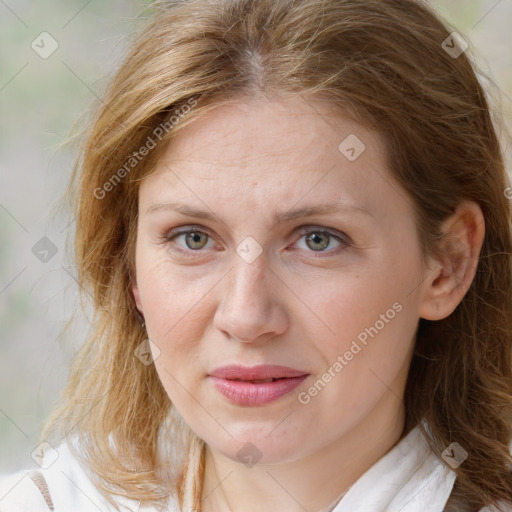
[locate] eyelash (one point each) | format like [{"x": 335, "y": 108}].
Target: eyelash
[{"x": 171, "y": 235}]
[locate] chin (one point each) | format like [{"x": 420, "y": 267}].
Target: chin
[{"x": 258, "y": 447}]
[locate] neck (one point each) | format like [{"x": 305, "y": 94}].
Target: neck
[{"x": 316, "y": 482}]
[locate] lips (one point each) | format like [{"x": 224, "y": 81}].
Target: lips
[
  {"x": 263, "y": 373},
  {"x": 257, "y": 385}
]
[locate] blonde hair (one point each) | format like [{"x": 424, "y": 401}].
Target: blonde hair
[{"x": 380, "y": 60}]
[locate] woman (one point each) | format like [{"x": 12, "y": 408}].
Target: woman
[{"x": 292, "y": 219}]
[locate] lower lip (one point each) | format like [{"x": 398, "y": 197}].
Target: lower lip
[{"x": 248, "y": 393}]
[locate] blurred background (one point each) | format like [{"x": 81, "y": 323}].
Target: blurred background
[{"x": 55, "y": 58}]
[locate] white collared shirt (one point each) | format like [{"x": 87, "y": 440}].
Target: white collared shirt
[{"x": 409, "y": 478}]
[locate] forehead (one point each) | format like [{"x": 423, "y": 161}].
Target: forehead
[
  {"x": 295, "y": 130},
  {"x": 265, "y": 153}
]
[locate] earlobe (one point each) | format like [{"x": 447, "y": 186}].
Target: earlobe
[{"x": 453, "y": 273}]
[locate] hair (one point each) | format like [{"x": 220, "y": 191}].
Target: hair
[{"x": 381, "y": 62}]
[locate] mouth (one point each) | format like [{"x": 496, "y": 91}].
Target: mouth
[
  {"x": 259, "y": 385},
  {"x": 260, "y": 373},
  {"x": 257, "y": 381}
]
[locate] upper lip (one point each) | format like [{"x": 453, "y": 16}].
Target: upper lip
[{"x": 261, "y": 372}]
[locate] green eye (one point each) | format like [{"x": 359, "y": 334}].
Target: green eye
[
  {"x": 317, "y": 240},
  {"x": 195, "y": 239}
]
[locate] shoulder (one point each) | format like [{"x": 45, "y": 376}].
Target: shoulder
[
  {"x": 68, "y": 488},
  {"x": 55, "y": 482}
]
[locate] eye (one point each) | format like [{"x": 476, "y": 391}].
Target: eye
[
  {"x": 318, "y": 239},
  {"x": 194, "y": 239}
]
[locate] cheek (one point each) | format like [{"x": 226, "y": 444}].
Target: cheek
[
  {"x": 368, "y": 325},
  {"x": 344, "y": 306},
  {"x": 361, "y": 371},
  {"x": 176, "y": 311},
  {"x": 168, "y": 294}
]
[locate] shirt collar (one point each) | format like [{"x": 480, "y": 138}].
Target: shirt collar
[{"x": 409, "y": 478}]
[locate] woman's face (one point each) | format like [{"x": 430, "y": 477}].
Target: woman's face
[{"x": 261, "y": 279}]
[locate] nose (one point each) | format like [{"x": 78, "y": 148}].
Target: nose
[{"x": 250, "y": 306}]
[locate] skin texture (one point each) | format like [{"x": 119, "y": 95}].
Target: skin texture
[{"x": 297, "y": 304}]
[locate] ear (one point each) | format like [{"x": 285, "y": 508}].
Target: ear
[
  {"x": 136, "y": 296},
  {"x": 453, "y": 273}
]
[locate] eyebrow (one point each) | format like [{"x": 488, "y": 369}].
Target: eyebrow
[{"x": 279, "y": 218}]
